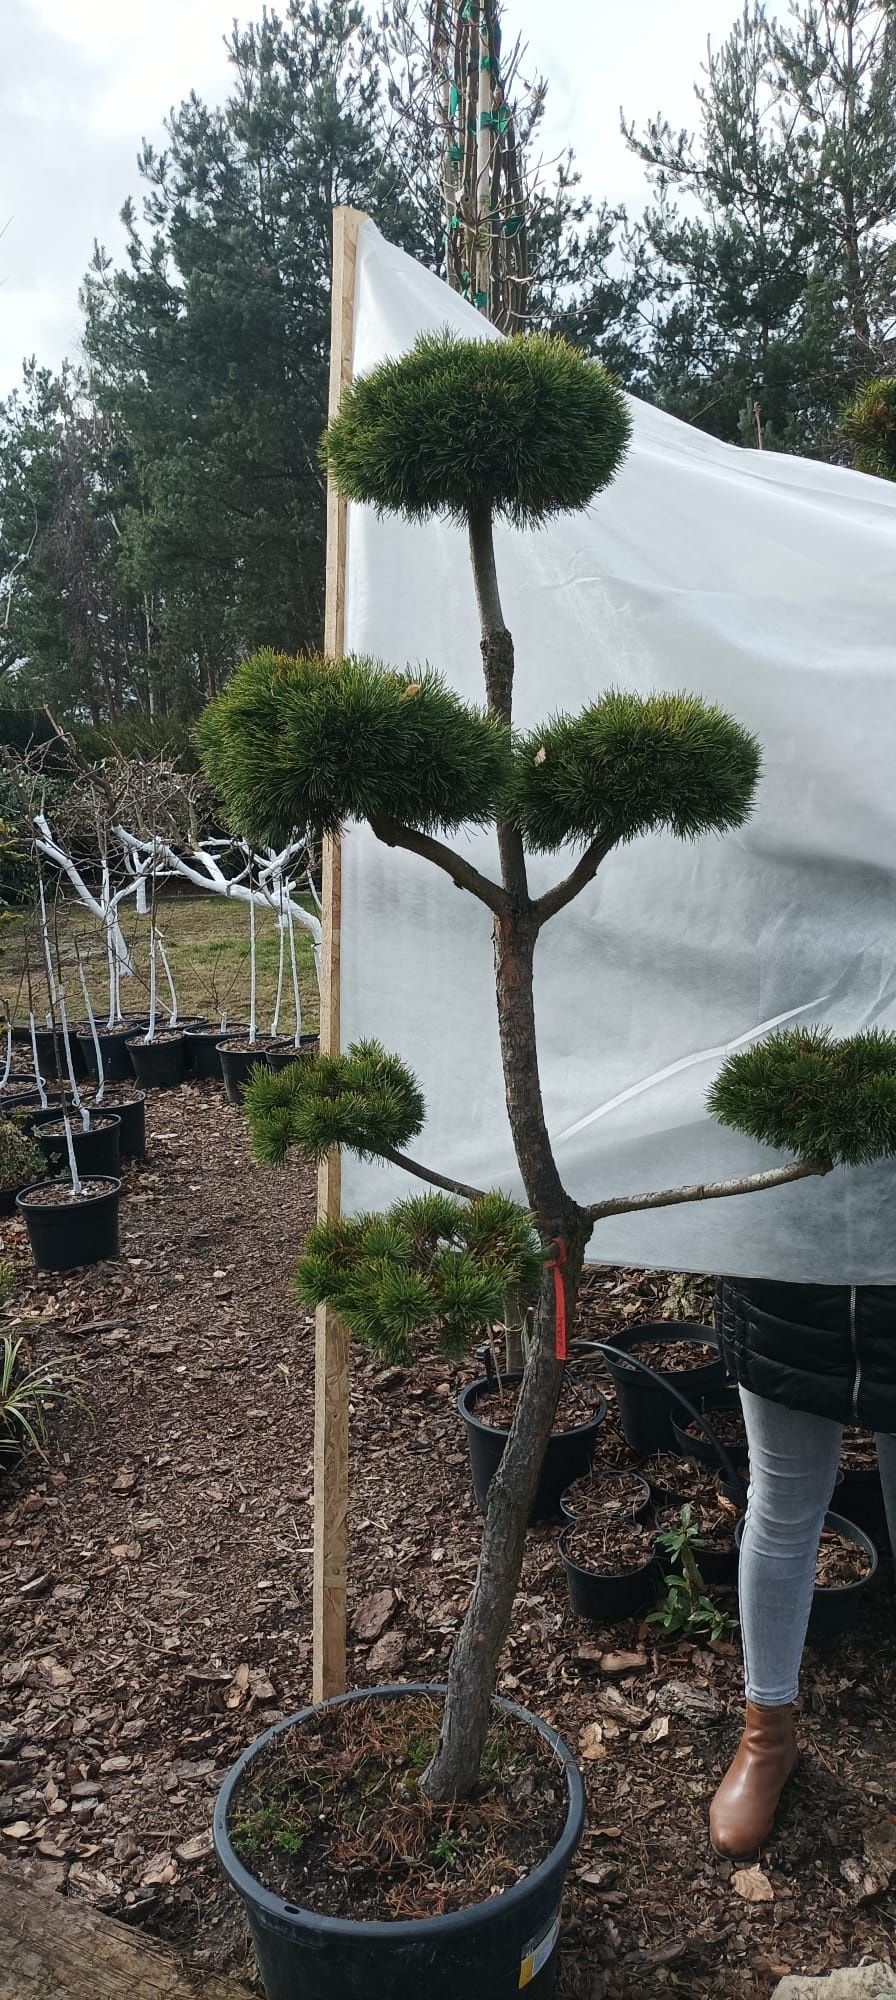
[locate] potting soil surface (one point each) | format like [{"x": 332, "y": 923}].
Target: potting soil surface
[
  {"x": 497, "y": 1408},
  {"x": 676, "y": 1356},
  {"x": 58, "y": 1194},
  {"x": 840, "y": 1562},
  {"x": 156, "y": 1610}
]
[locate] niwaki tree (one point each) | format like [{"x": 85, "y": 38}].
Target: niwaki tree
[{"x": 523, "y": 430}]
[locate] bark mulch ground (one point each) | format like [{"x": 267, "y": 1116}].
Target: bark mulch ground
[{"x": 155, "y": 1601}]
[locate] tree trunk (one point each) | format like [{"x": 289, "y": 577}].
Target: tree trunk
[{"x": 476, "y": 1651}]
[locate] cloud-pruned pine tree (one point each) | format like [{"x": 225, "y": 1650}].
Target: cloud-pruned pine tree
[{"x": 629, "y": 765}]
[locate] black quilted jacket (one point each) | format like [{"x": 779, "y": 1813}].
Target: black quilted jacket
[{"x": 829, "y": 1349}]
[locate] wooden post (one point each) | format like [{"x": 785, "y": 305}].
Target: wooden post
[{"x": 331, "y": 1352}]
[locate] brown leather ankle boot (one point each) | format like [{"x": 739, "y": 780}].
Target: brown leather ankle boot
[{"x": 742, "y": 1814}]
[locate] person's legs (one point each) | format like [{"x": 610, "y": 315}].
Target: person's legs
[{"x": 793, "y": 1466}]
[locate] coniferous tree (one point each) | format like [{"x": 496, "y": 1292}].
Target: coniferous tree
[{"x": 524, "y": 429}]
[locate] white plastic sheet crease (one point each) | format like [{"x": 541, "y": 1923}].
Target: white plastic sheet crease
[{"x": 764, "y": 583}]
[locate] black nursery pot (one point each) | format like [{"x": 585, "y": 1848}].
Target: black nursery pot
[
  {"x": 131, "y": 1113},
  {"x": 76, "y": 1232},
  {"x": 693, "y": 1444},
  {"x": 646, "y": 1409},
  {"x": 280, "y": 1058},
  {"x": 203, "y": 1053},
  {"x": 47, "y": 1044},
  {"x": 158, "y": 1065},
  {"x": 835, "y": 1608},
  {"x": 191, "y": 1023},
  {"x": 568, "y": 1456},
  {"x": 115, "y": 1055},
  {"x": 610, "y": 1596},
  {"x": 639, "y": 1512},
  {"x": 97, "y": 1151},
  {"x": 861, "y": 1496},
  {"x": 237, "y": 1066},
  {"x": 486, "y": 1952}
]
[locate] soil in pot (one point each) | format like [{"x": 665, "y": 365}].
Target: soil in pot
[
  {"x": 840, "y": 1562},
  {"x": 676, "y": 1357},
  {"x": 613, "y": 1445},
  {"x": 329, "y": 1815},
  {"x": 728, "y": 1425},
  {"x": 611, "y": 1569},
  {"x": 569, "y": 1452},
  {"x": 603, "y": 1491}
]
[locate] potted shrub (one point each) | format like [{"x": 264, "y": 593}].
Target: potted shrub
[
  {"x": 522, "y": 428},
  {"x": 21, "y": 1162}
]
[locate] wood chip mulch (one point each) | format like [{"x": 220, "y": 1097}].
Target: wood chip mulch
[{"x": 155, "y": 1603}]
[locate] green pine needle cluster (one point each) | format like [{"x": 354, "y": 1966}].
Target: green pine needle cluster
[
  {"x": 868, "y": 423},
  {"x": 528, "y": 427},
  {"x": 365, "y": 1099},
  {"x": 309, "y": 743},
  {"x": 430, "y": 1264},
  {"x": 629, "y": 765},
  {"x": 829, "y": 1102}
]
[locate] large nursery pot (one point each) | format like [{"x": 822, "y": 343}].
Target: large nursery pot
[
  {"x": 115, "y": 1055},
  {"x": 237, "y": 1065},
  {"x": 203, "y": 1050},
  {"x": 569, "y": 1453},
  {"x": 97, "y": 1150},
  {"x": 47, "y": 1045},
  {"x": 69, "y": 1234},
  {"x": 646, "y": 1408},
  {"x": 281, "y": 1054},
  {"x": 158, "y": 1065},
  {"x": 835, "y": 1607},
  {"x": 131, "y": 1113},
  {"x": 486, "y": 1952},
  {"x": 190, "y": 1023}
]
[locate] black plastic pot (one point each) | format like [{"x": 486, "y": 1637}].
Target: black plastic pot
[
  {"x": 97, "y": 1151},
  {"x": 158, "y": 1065},
  {"x": 568, "y": 1456},
  {"x": 486, "y": 1952},
  {"x": 609, "y": 1597},
  {"x": 717, "y": 1564},
  {"x": 639, "y": 1512},
  {"x": 74, "y": 1233},
  {"x": 645, "y": 1409},
  {"x": 47, "y": 1044},
  {"x": 131, "y": 1112},
  {"x": 8, "y": 1199},
  {"x": 204, "y": 1051},
  {"x": 114, "y": 1054},
  {"x": 18, "y": 1100},
  {"x": 693, "y": 1444},
  {"x": 190, "y": 1022},
  {"x": 834, "y": 1609},
  {"x": 280, "y": 1058},
  {"x": 237, "y": 1066}
]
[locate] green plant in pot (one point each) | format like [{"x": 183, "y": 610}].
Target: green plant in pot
[
  {"x": 523, "y": 429},
  {"x": 21, "y": 1162}
]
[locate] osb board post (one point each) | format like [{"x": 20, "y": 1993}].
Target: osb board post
[{"x": 331, "y": 1354}]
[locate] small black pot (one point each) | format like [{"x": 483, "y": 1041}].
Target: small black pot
[
  {"x": 204, "y": 1050},
  {"x": 75, "y": 1233},
  {"x": 491, "y": 1949},
  {"x": 280, "y": 1058},
  {"x": 568, "y": 1456},
  {"x": 18, "y": 1100},
  {"x": 716, "y": 1564},
  {"x": 237, "y": 1066},
  {"x": 115, "y": 1055},
  {"x": 610, "y": 1597},
  {"x": 46, "y": 1052},
  {"x": 639, "y": 1513},
  {"x": 97, "y": 1151},
  {"x": 834, "y": 1610},
  {"x": 695, "y": 1445},
  {"x": 8, "y": 1199},
  {"x": 646, "y": 1409},
  {"x": 190, "y": 1023},
  {"x": 158, "y": 1065},
  {"x": 131, "y": 1113}
]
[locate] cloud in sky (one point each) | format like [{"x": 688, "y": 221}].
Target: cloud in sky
[{"x": 83, "y": 81}]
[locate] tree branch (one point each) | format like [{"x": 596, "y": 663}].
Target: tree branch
[
  {"x": 629, "y": 1204},
  {"x": 564, "y": 892},
  {"x": 462, "y": 873},
  {"x": 428, "y": 1174}
]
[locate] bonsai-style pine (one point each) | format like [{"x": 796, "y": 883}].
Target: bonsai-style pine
[
  {"x": 523, "y": 429},
  {"x": 868, "y": 424}
]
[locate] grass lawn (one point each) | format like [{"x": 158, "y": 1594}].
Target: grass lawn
[{"x": 207, "y": 942}]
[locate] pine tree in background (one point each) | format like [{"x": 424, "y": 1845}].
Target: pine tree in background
[
  {"x": 524, "y": 430},
  {"x": 868, "y": 424}
]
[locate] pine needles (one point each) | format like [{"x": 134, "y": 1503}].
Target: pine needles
[
  {"x": 829, "y": 1102},
  {"x": 366, "y": 1099}
]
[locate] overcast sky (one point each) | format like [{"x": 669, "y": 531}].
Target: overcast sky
[{"x": 82, "y": 81}]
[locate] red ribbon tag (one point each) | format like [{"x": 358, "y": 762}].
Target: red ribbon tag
[{"x": 561, "y": 1348}]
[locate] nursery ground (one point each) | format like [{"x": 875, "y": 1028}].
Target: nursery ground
[{"x": 155, "y": 1603}]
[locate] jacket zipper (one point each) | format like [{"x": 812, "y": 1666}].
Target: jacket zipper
[{"x": 853, "y": 1334}]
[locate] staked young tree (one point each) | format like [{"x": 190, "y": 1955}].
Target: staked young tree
[{"x": 523, "y": 429}]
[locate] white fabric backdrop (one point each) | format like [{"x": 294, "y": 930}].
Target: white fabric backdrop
[{"x": 764, "y": 583}]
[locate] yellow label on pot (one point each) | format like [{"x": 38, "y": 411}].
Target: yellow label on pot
[{"x": 536, "y": 1955}]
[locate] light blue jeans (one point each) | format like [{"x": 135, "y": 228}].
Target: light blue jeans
[{"x": 793, "y": 1469}]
